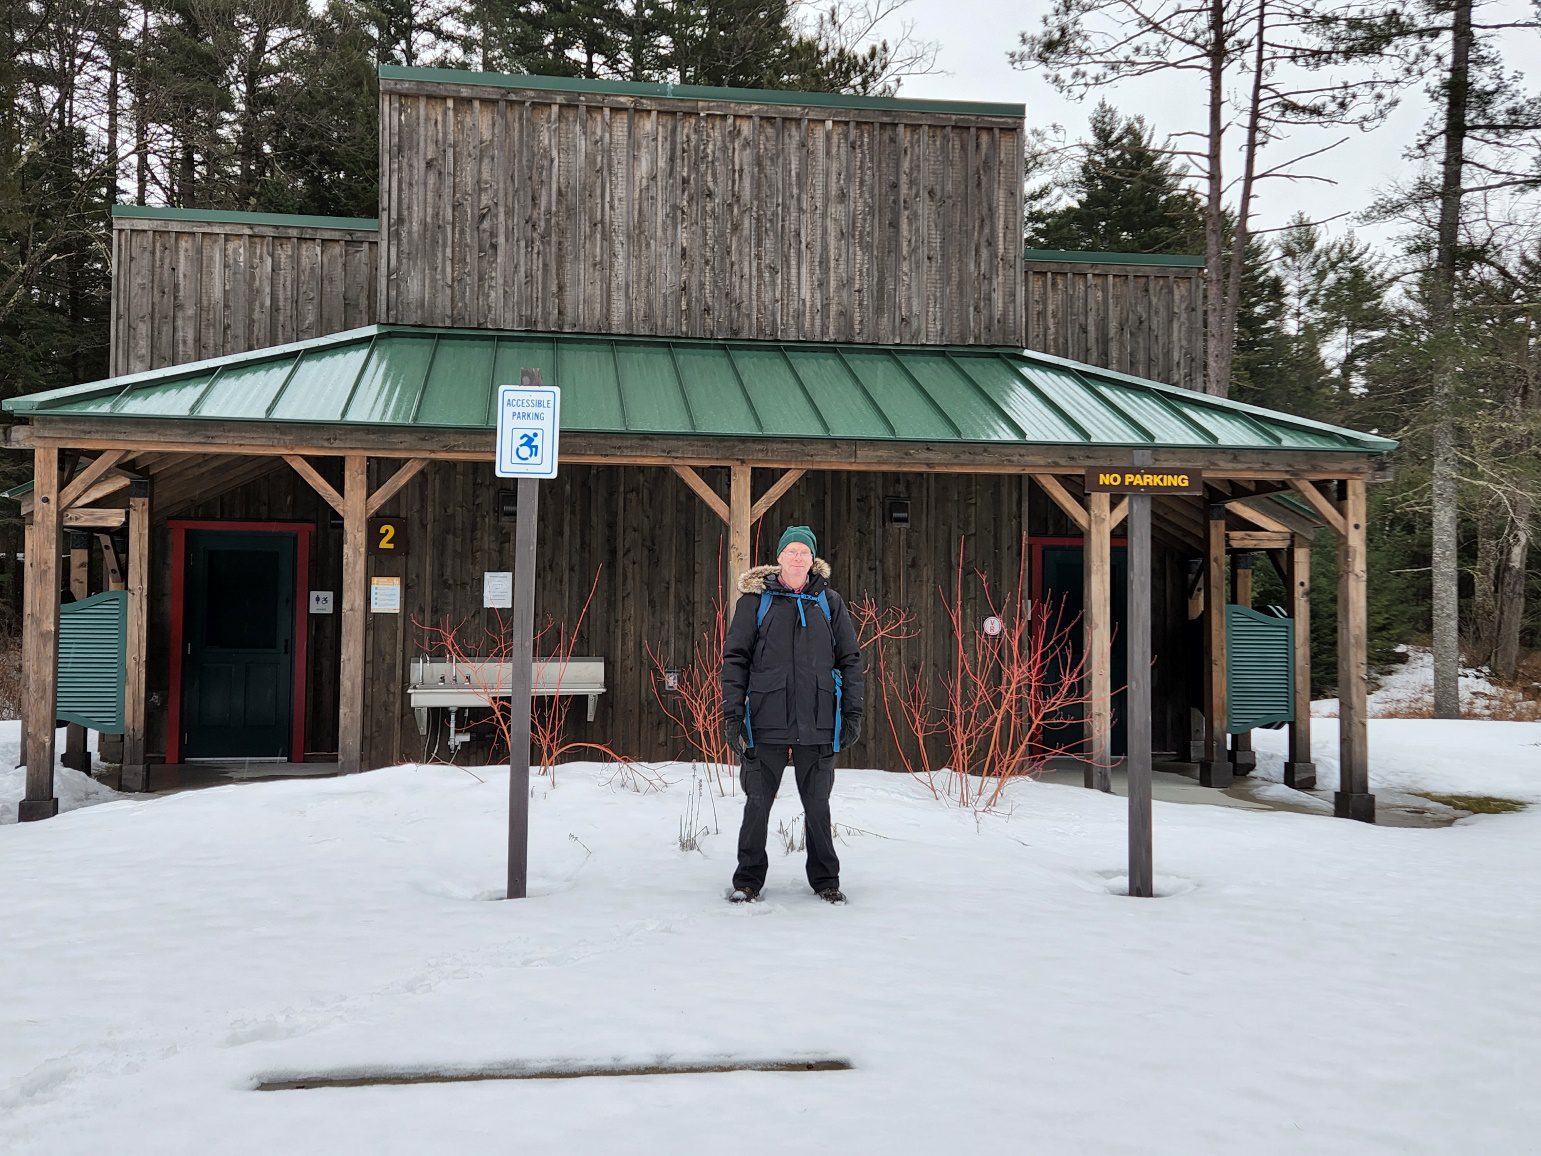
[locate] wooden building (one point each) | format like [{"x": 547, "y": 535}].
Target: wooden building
[{"x": 757, "y": 305}]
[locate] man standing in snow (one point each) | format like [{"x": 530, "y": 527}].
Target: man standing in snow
[{"x": 791, "y": 681}]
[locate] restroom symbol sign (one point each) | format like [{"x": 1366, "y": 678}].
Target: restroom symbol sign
[{"x": 528, "y": 422}]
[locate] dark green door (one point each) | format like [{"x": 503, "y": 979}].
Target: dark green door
[
  {"x": 1061, "y": 589},
  {"x": 238, "y": 669}
]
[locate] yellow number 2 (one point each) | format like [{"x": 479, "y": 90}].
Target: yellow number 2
[{"x": 387, "y": 537}]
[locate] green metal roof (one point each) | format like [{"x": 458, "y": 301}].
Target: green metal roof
[
  {"x": 826, "y": 100},
  {"x": 443, "y": 378},
  {"x": 230, "y": 217},
  {"x": 1092, "y": 257}
]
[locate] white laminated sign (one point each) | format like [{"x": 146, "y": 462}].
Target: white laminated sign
[{"x": 528, "y": 417}]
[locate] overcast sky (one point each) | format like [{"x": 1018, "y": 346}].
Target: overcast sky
[{"x": 975, "y": 36}]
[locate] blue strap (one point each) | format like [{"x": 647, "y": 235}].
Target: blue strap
[
  {"x": 838, "y": 716},
  {"x": 765, "y": 601},
  {"x": 748, "y": 726}
]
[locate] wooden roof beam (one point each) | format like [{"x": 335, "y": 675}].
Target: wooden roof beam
[
  {"x": 89, "y": 476},
  {"x": 1324, "y": 509},
  {"x": 317, "y": 482},
  {"x": 392, "y": 486},
  {"x": 1072, "y": 508},
  {"x": 705, "y": 492},
  {"x": 774, "y": 494}
]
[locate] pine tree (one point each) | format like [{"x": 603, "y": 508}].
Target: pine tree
[{"x": 1126, "y": 196}]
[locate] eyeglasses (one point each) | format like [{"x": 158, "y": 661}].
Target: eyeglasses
[{"x": 797, "y": 551}]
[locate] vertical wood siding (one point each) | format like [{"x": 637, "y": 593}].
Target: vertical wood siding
[
  {"x": 184, "y": 291},
  {"x": 1143, "y": 320},
  {"x": 657, "y": 551},
  {"x": 602, "y": 214}
]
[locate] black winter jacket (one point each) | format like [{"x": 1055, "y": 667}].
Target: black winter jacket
[{"x": 783, "y": 670}]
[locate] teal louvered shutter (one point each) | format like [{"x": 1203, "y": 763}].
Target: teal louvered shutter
[
  {"x": 1259, "y": 669},
  {"x": 93, "y": 662}
]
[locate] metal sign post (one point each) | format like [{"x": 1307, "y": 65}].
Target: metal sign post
[
  {"x": 1137, "y": 760},
  {"x": 528, "y": 424}
]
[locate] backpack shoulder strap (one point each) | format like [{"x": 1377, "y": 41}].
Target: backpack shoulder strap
[
  {"x": 824, "y": 606},
  {"x": 765, "y": 601}
]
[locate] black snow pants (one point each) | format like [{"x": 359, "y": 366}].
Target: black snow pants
[{"x": 760, "y": 773}]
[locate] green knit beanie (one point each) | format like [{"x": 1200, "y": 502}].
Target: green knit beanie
[{"x": 797, "y": 534}]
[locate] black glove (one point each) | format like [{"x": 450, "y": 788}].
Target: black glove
[
  {"x": 733, "y": 734},
  {"x": 850, "y": 730}
]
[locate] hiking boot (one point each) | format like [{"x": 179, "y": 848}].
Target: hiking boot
[
  {"x": 744, "y": 895},
  {"x": 832, "y": 895}
]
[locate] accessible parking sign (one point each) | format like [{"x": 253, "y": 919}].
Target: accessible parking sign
[{"x": 528, "y": 421}]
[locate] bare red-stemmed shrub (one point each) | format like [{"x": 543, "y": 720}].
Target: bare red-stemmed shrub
[
  {"x": 1004, "y": 706},
  {"x": 554, "y": 642},
  {"x": 694, "y": 705}
]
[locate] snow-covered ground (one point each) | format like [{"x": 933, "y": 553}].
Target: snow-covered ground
[
  {"x": 72, "y": 788},
  {"x": 1307, "y": 984},
  {"x": 1406, "y": 690}
]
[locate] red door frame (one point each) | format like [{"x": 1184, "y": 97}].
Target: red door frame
[
  {"x": 301, "y": 532},
  {"x": 1036, "y": 545}
]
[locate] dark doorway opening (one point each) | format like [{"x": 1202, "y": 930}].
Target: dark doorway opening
[{"x": 238, "y": 633}]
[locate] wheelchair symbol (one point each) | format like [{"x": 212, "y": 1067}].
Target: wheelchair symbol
[{"x": 528, "y": 448}]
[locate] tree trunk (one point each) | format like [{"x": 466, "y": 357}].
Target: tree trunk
[
  {"x": 1509, "y": 590},
  {"x": 141, "y": 117},
  {"x": 1217, "y": 368},
  {"x": 114, "y": 47},
  {"x": 1445, "y": 575}
]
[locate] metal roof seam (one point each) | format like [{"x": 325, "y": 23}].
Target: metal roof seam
[
  {"x": 1226, "y": 403},
  {"x": 1181, "y": 415},
  {"x": 422, "y": 390},
  {"x": 492, "y": 387},
  {"x": 1094, "y": 387},
  {"x": 214, "y": 377},
  {"x": 358, "y": 380},
  {"x": 984, "y": 393},
  {"x": 278, "y": 394},
  {"x": 679, "y": 384},
  {"x": 738, "y": 376},
  {"x": 1048, "y": 401},
  {"x": 620, "y": 388},
  {"x": 845, "y": 363},
  {"x": 818, "y": 410},
  {"x": 927, "y": 394},
  {"x": 1267, "y": 433}
]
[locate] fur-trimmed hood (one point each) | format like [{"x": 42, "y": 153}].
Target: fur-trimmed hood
[{"x": 753, "y": 580}]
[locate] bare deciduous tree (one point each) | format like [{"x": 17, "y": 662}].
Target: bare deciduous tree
[{"x": 1264, "y": 67}]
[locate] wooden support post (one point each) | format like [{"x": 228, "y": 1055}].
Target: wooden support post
[
  {"x": 112, "y": 572},
  {"x": 136, "y": 771},
  {"x": 76, "y": 756},
  {"x": 1299, "y": 770},
  {"x": 350, "y": 685},
  {"x": 40, "y": 628},
  {"x": 28, "y": 549},
  {"x": 1098, "y": 630},
  {"x": 1243, "y": 757},
  {"x": 1353, "y": 799},
  {"x": 1214, "y": 768},
  {"x": 740, "y": 508},
  {"x": 521, "y": 681},
  {"x": 1142, "y": 881}
]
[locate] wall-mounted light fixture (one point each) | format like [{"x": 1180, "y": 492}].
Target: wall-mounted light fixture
[{"x": 896, "y": 511}]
